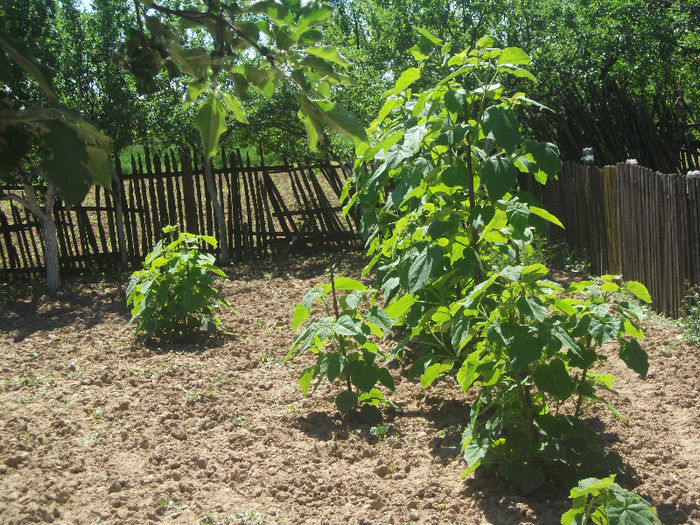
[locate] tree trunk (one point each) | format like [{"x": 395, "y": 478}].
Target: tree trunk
[
  {"x": 218, "y": 212},
  {"x": 47, "y": 227},
  {"x": 117, "y": 195},
  {"x": 48, "y": 233}
]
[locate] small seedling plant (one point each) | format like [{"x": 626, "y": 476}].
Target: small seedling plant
[
  {"x": 343, "y": 338},
  {"x": 174, "y": 296},
  {"x": 447, "y": 223},
  {"x": 604, "y": 502}
]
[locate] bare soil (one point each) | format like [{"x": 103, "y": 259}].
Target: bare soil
[{"x": 96, "y": 428}]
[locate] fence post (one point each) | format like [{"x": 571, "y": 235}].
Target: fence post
[
  {"x": 612, "y": 219},
  {"x": 188, "y": 193},
  {"x": 119, "y": 214}
]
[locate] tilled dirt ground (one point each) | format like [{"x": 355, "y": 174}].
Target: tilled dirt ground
[{"x": 96, "y": 428}]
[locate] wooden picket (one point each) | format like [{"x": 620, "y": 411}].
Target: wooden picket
[
  {"x": 630, "y": 220},
  {"x": 263, "y": 212}
]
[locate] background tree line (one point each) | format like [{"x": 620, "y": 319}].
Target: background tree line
[{"x": 620, "y": 75}]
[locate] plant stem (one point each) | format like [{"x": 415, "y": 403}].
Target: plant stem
[
  {"x": 335, "y": 299},
  {"x": 580, "y": 394}
]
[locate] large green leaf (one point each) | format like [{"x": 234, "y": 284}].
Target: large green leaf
[
  {"x": 422, "y": 267},
  {"x": 345, "y": 283},
  {"x": 499, "y": 175},
  {"x": 638, "y": 290},
  {"x": 627, "y": 508},
  {"x": 554, "y": 379},
  {"x": 406, "y": 78},
  {"x": 524, "y": 351},
  {"x": 98, "y": 165},
  {"x": 532, "y": 307},
  {"x": 379, "y": 317},
  {"x": 234, "y": 105},
  {"x": 67, "y": 168},
  {"x": 301, "y": 314},
  {"x": 328, "y": 53},
  {"x": 276, "y": 11},
  {"x": 331, "y": 365},
  {"x": 501, "y": 125},
  {"x": 467, "y": 374},
  {"x": 210, "y": 123},
  {"x": 635, "y": 357},
  {"x": 546, "y": 156},
  {"x": 341, "y": 120},
  {"x": 434, "y": 371},
  {"x": 604, "y": 329},
  {"x": 346, "y": 326},
  {"x": 514, "y": 55},
  {"x": 346, "y": 401}
]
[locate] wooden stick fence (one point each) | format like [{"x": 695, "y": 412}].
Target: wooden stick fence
[
  {"x": 268, "y": 210},
  {"x": 633, "y": 221}
]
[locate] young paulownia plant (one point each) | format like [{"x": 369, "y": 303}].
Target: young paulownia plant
[
  {"x": 604, "y": 502},
  {"x": 174, "y": 295},
  {"x": 341, "y": 337},
  {"x": 446, "y": 221}
]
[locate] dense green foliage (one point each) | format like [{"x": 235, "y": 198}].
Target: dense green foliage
[
  {"x": 280, "y": 41},
  {"x": 446, "y": 226},
  {"x": 49, "y": 143},
  {"x": 691, "y": 317},
  {"x": 174, "y": 295},
  {"x": 591, "y": 58},
  {"x": 604, "y": 502},
  {"x": 342, "y": 340}
]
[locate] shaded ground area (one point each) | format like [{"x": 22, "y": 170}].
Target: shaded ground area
[{"x": 96, "y": 428}]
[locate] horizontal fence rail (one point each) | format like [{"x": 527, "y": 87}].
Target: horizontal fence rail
[
  {"x": 633, "y": 221},
  {"x": 268, "y": 210}
]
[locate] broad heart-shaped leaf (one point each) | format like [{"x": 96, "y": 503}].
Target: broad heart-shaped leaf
[
  {"x": 546, "y": 156},
  {"x": 276, "y": 11},
  {"x": 379, "y": 317},
  {"x": 422, "y": 267},
  {"x": 524, "y": 351},
  {"x": 532, "y": 307},
  {"x": 434, "y": 371},
  {"x": 553, "y": 379},
  {"x": 518, "y": 214},
  {"x": 346, "y": 401},
  {"x": 638, "y": 290},
  {"x": 501, "y": 125},
  {"x": 514, "y": 55},
  {"x": 346, "y": 326},
  {"x": 67, "y": 168},
  {"x": 498, "y": 174},
  {"x": 301, "y": 314},
  {"x": 98, "y": 165},
  {"x": 342, "y": 121},
  {"x": 210, "y": 123},
  {"x": 331, "y": 365},
  {"x": 627, "y": 508},
  {"x": 362, "y": 375},
  {"x": 604, "y": 329},
  {"x": 328, "y": 53},
  {"x": 635, "y": 357}
]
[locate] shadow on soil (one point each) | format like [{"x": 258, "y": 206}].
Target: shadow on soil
[{"x": 27, "y": 310}]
